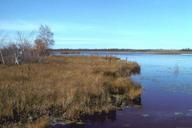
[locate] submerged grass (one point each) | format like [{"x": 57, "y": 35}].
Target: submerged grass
[{"x": 67, "y": 87}]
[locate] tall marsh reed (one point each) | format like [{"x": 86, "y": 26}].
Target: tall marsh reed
[{"x": 66, "y": 87}]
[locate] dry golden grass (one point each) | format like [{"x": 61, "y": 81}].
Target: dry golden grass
[{"x": 67, "y": 87}]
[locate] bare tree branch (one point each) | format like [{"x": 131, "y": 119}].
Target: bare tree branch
[{"x": 44, "y": 41}]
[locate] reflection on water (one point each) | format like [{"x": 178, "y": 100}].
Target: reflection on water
[
  {"x": 167, "y": 93},
  {"x": 176, "y": 70}
]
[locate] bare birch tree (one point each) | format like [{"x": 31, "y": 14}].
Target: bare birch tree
[
  {"x": 25, "y": 49},
  {"x": 45, "y": 38},
  {"x": 2, "y": 39},
  {"x": 44, "y": 41}
]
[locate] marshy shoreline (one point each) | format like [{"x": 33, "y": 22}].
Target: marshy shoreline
[{"x": 67, "y": 88}]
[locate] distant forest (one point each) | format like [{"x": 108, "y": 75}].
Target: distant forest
[{"x": 122, "y": 50}]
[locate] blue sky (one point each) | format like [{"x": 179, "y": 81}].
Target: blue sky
[{"x": 136, "y": 24}]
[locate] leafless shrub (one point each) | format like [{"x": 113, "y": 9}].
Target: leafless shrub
[
  {"x": 44, "y": 41},
  {"x": 26, "y": 49},
  {"x": 18, "y": 51},
  {"x": 25, "y": 45}
]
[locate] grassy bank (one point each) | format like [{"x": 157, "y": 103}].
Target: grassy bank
[{"x": 66, "y": 87}]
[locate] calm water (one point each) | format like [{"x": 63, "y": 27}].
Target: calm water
[{"x": 166, "y": 98}]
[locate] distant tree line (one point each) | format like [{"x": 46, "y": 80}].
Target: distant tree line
[
  {"x": 123, "y": 50},
  {"x": 186, "y": 49},
  {"x": 24, "y": 49},
  {"x": 108, "y": 49}
]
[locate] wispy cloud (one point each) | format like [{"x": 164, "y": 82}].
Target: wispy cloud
[
  {"x": 23, "y": 25},
  {"x": 72, "y": 34},
  {"x": 18, "y": 25},
  {"x": 75, "y": 28}
]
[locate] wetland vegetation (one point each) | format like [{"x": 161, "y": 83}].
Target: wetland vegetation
[{"x": 65, "y": 87}]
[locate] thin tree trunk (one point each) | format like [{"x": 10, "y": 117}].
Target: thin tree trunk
[
  {"x": 2, "y": 57},
  {"x": 16, "y": 59}
]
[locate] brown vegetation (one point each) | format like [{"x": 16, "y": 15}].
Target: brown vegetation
[{"x": 66, "y": 87}]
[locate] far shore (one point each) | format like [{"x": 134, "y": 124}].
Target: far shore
[{"x": 144, "y": 51}]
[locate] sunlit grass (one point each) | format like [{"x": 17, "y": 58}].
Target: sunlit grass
[{"x": 67, "y": 87}]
